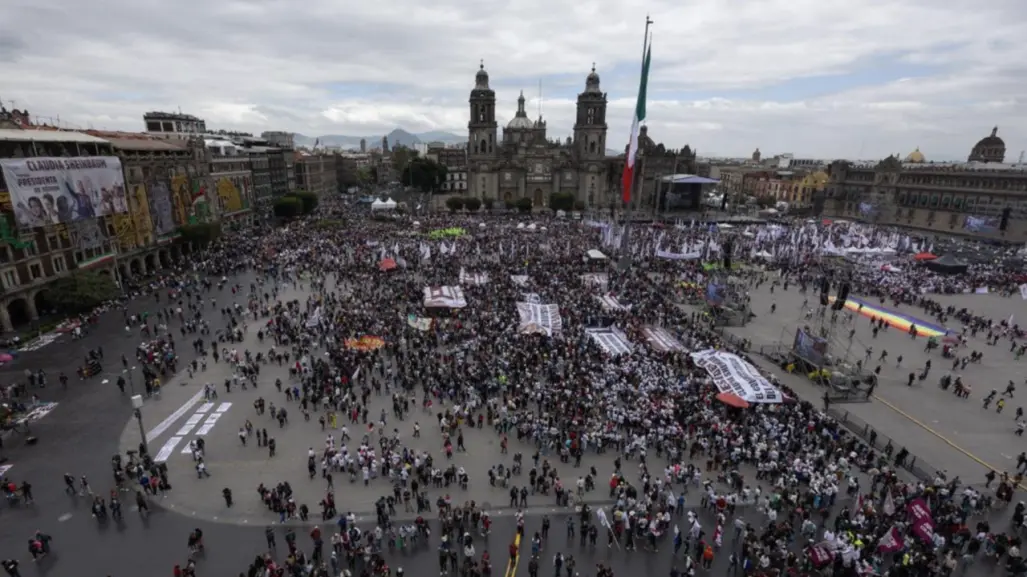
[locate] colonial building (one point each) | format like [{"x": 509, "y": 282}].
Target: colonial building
[
  {"x": 524, "y": 163},
  {"x": 983, "y": 197},
  {"x": 454, "y": 158},
  {"x": 232, "y": 177},
  {"x": 174, "y": 125},
  {"x": 158, "y": 204},
  {"x": 316, "y": 173}
]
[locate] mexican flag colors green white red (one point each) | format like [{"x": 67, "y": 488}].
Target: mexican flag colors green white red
[{"x": 629, "y": 169}]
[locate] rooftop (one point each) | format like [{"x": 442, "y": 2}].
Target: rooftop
[
  {"x": 135, "y": 141},
  {"x": 47, "y": 135},
  {"x": 171, "y": 116}
]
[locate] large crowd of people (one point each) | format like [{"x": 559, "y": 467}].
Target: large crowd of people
[{"x": 772, "y": 487}]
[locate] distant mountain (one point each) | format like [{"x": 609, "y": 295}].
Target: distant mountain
[{"x": 397, "y": 136}]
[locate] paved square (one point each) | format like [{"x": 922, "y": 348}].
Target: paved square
[{"x": 961, "y": 434}]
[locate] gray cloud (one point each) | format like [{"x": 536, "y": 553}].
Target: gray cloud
[{"x": 272, "y": 64}]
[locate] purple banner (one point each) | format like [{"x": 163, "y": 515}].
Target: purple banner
[{"x": 920, "y": 519}]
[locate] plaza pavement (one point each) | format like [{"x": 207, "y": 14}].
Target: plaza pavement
[
  {"x": 951, "y": 434},
  {"x": 242, "y": 469}
]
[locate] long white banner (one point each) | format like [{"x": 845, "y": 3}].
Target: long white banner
[
  {"x": 539, "y": 318},
  {"x": 731, "y": 374},
  {"x": 51, "y": 190}
]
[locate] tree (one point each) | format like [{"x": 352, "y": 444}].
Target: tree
[
  {"x": 579, "y": 205},
  {"x": 402, "y": 157},
  {"x": 523, "y": 204},
  {"x": 200, "y": 234},
  {"x": 81, "y": 291},
  {"x": 489, "y": 203},
  {"x": 308, "y": 201},
  {"x": 454, "y": 203},
  {"x": 472, "y": 204},
  {"x": 561, "y": 201},
  {"x": 288, "y": 207},
  {"x": 766, "y": 201},
  {"x": 424, "y": 174}
]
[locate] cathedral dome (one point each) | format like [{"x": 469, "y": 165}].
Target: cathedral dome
[
  {"x": 520, "y": 120},
  {"x": 916, "y": 157},
  {"x": 989, "y": 149}
]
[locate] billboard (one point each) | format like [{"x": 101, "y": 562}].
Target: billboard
[
  {"x": 50, "y": 190},
  {"x": 140, "y": 210},
  {"x": 809, "y": 348},
  {"x": 232, "y": 192},
  {"x": 161, "y": 211},
  {"x": 180, "y": 193},
  {"x": 984, "y": 224}
]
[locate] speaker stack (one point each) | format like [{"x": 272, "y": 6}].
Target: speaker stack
[{"x": 843, "y": 295}]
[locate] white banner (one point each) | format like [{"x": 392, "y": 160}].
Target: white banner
[
  {"x": 445, "y": 297},
  {"x": 539, "y": 318},
  {"x": 731, "y": 374},
  {"x": 519, "y": 279},
  {"x": 1023, "y": 291},
  {"x": 474, "y": 279},
  {"x": 661, "y": 339},
  {"x": 611, "y": 303},
  {"x": 611, "y": 340},
  {"x": 601, "y": 280},
  {"x": 49, "y": 190},
  {"x": 532, "y": 298}
]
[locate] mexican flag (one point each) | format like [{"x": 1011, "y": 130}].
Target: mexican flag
[{"x": 629, "y": 169}]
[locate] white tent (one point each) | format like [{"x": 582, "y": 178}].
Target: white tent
[
  {"x": 387, "y": 204},
  {"x": 594, "y": 254}
]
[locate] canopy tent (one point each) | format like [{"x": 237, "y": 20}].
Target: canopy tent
[
  {"x": 925, "y": 256},
  {"x": 688, "y": 179},
  {"x": 947, "y": 264},
  {"x": 387, "y": 204},
  {"x": 387, "y": 264},
  {"x": 594, "y": 254}
]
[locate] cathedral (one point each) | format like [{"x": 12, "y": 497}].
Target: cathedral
[{"x": 525, "y": 163}]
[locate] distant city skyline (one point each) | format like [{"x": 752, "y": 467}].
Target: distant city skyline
[{"x": 817, "y": 79}]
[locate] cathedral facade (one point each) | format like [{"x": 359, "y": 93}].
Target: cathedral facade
[{"x": 524, "y": 162}]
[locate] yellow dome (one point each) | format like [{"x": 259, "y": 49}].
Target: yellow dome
[{"x": 916, "y": 156}]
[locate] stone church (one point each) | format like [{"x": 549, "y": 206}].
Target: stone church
[{"x": 525, "y": 163}]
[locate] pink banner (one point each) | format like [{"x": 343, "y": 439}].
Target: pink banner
[
  {"x": 891, "y": 542},
  {"x": 921, "y": 520}
]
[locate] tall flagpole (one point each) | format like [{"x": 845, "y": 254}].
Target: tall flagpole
[{"x": 625, "y": 260}]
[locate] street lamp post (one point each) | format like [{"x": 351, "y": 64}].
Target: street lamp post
[
  {"x": 131, "y": 381},
  {"x": 137, "y": 405}
]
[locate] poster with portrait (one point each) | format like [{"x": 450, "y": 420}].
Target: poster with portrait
[
  {"x": 161, "y": 210},
  {"x": 51, "y": 190},
  {"x": 86, "y": 234}
]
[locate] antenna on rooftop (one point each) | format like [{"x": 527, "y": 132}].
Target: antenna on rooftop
[
  {"x": 540, "y": 98},
  {"x": 1021, "y": 158}
]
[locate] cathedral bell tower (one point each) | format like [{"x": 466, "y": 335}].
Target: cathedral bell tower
[
  {"x": 590, "y": 126},
  {"x": 482, "y": 128}
]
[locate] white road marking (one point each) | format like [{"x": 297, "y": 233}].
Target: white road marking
[
  {"x": 64, "y": 517},
  {"x": 189, "y": 424},
  {"x": 173, "y": 417},
  {"x": 169, "y": 447},
  {"x": 204, "y": 408},
  {"x": 208, "y": 424},
  {"x": 224, "y": 407}
]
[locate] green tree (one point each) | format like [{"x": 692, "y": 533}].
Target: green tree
[
  {"x": 308, "y": 201},
  {"x": 523, "y": 204},
  {"x": 424, "y": 174},
  {"x": 200, "y": 234},
  {"x": 561, "y": 201},
  {"x": 489, "y": 203},
  {"x": 401, "y": 158},
  {"x": 454, "y": 203},
  {"x": 83, "y": 290},
  {"x": 472, "y": 204},
  {"x": 288, "y": 207},
  {"x": 579, "y": 205}
]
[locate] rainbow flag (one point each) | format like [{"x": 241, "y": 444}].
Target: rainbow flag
[{"x": 894, "y": 318}]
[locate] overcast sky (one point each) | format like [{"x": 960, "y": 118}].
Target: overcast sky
[{"x": 821, "y": 78}]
